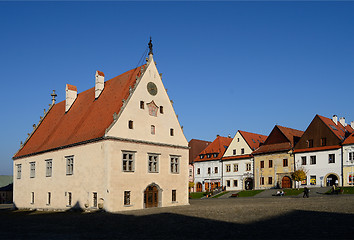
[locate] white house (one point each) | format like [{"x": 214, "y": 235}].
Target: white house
[
  {"x": 117, "y": 146},
  {"x": 348, "y": 160},
  {"x": 237, "y": 162}
]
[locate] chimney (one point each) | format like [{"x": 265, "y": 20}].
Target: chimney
[
  {"x": 342, "y": 121},
  {"x": 335, "y": 119},
  {"x": 99, "y": 84},
  {"x": 352, "y": 124},
  {"x": 71, "y": 94}
]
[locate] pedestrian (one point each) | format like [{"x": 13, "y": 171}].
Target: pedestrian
[{"x": 306, "y": 192}]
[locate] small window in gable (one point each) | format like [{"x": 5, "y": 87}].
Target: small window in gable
[
  {"x": 130, "y": 124},
  {"x": 161, "y": 109},
  {"x": 171, "y": 132},
  {"x": 141, "y": 104},
  {"x": 152, "y": 129}
]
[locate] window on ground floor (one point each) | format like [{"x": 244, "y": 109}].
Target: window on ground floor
[
  {"x": 174, "y": 196},
  {"x": 227, "y": 183},
  {"x": 262, "y": 181},
  {"x": 313, "y": 180},
  {"x": 32, "y": 197},
  {"x": 69, "y": 199},
  {"x": 235, "y": 183},
  {"x": 126, "y": 198},
  {"x": 94, "y": 199},
  {"x": 270, "y": 180},
  {"x": 49, "y": 196}
]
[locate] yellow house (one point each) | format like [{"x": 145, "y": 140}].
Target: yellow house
[{"x": 274, "y": 161}]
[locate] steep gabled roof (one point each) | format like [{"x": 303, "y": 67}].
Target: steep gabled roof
[
  {"x": 196, "y": 146},
  {"x": 87, "y": 119},
  {"x": 338, "y": 129},
  {"x": 253, "y": 140},
  {"x": 219, "y": 145},
  {"x": 290, "y": 133},
  {"x": 349, "y": 140}
]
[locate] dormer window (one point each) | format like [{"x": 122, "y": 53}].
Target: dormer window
[
  {"x": 215, "y": 155},
  {"x": 141, "y": 104},
  {"x": 208, "y": 155},
  {"x": 201, "y": 156}
]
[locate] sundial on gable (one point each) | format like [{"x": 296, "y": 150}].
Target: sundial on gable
[{"x": 152, "y": 108}]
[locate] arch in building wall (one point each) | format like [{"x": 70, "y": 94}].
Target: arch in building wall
[
  {"x": 248, "y": 184},
  {"x": 331, "y": 179},
  {"x": 286, "y": 182},
  {"x": 152, "y": 196},
  {"x": 199, "y": 187}
]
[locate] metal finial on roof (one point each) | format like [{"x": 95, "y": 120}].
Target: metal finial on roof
[
  {"x": 150, "y": 46},
  {"x": 53, "y": 97}
]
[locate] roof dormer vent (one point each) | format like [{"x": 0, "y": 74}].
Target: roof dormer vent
[
  {"x": 71, "y": 94},
  {"x": 335, "y": 119},
  {"x": 99, "y": 83}
]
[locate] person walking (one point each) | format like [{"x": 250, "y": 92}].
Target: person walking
[{"x": 306, "y": 192}]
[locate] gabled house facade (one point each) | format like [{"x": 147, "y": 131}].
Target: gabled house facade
[
  {"x": 208, "y": 167},
  {"x": 274, "y": 160},
  {"x": 117, "y": 146},
  {"x": 237, "y": 162},
  {"x": 319, "y": 151},
  {"x": 348, "y": 160}
]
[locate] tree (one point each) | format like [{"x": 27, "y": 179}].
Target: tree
[
  {"x": 299, "y": 175},
  {"x": 190, "y": 185}
]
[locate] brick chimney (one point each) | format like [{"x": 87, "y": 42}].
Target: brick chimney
[
  {"x": 335, "y": 119},
  {"x": 342, "y": 121},
  {"x": 71, "y": 94},
  {"x": 99, "y": 84}
]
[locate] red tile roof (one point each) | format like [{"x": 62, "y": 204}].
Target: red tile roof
[
  {"x": 237, "y": 157},
  {"x": 338, "y": 129},
  {"x": 316, "y": 149},
  {"x": 349, "y": 140},
  {"x": 100, "y": 73},
  {"x": 196, "y": 146},
  {"x": 277, "y": 147},
  {"x": 71, "y": 87},
  {"x": 219, "y": 145},
  {"x": 86, "y": 120},
  {"x": 253, "y": 139},
  {"x": 290, "y": 133}
]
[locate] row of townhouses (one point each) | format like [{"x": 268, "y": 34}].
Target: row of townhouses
[{"x": 325, "y": 152}]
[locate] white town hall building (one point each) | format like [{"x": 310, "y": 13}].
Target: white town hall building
[{"x": 117, "y": 146}]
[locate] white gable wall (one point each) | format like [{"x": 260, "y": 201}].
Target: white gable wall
[{"x": 238, "y": 145}]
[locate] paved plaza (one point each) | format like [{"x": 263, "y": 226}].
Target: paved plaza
[{"x": 327, "y": 217}]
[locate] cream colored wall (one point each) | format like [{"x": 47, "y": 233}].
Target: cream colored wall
[
  {"x": 142, "y": 120},
  {"x": 89, "y": 176},
  {"x": 348, "y": 166},
  {"x": 137, "y": 181},
  {"x": 276, "y": 172},
  {"x": 238, "y": 146}
]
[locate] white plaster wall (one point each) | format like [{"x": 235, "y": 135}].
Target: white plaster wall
[
  {"x": 322, "y": 168},
  {"x": 238, "y": 146},
  {"x": 141, "y": 118},
  {"x": 204, "y": 176},
  {"x": 348, "y": 166},
  {"x": 240, "y": 175},
  {"x": 89, "y": 176}
]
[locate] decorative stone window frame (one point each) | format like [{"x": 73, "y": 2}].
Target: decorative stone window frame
[
  {"x": 128, "y": 159},
  {"x": 153, "y": 162}
]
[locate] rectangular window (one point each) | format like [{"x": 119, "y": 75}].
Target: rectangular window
[
  {"x": 312, "y": 160},
  {"x": 235, "y": 167},
  {"x": 128, "y": 161},
  {"x": 235, "y": 183},
  {"x": 161, "y": 109},
  {"x": 174, "y": 164},
  {"x": 49, "y": 196},
  {"x": 331, "y": 158},
  {"x": 48, "y": 168},
  {"x": 126, "y": 198},
  {"x": 234, "y": 152},
  {"x": 94, "y": 199},
  {"x": 32, "y": 197},
  {"x": 227, "y": 183},
  {"x": 248, "y": 167},
  {"x": 312, "y": 180},
  {"x": 130, "y": 124},
  {"x": 69, "y": 195},
  {"x": 32, "y": 169},
  {"x": 153, "y": 130},
  {"x": 262, "y": 180},
  {"x": 242, "y": 151},
  {"x": 19, "y": 171},
  {"x": 351, "y": 156},
  {"x": 262, "y": 164},
  {"x": 216, "y": 170},
  {"x": 174, "y": 196},
  {"x": 141, "y": 104},
  {"x": 190, "y": 172},
  {"x": 323, "y": 141},
  {"x": 69, "y": 165},
  {"x": 228, "y": 167},
  {"x": 285, "y": 162},
  {"x": 270, "y": 163},
  {"x": 198, "y": 171},
  {"x": 153, "y": 164},
  {"x": 303, "y": 160},
  {"x": 270, "y": 180},
  {"x": 172, "y": 133},
  {"x": 310, "y": 143},
  {"x": 209, "y": 170}
]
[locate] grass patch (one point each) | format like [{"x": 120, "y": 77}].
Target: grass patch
[
  {"x": 292, "y": 191},
  {"x": 197, "y": 195},
  {"x": 342, "y": 190},
  {"x": 249, "y": 193},
  {"x": 219, "y": 195}
]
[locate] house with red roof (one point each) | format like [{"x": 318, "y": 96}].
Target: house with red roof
[
  {"x": 237, "y": 162},
  {"x": 274, "y": 161},
  {"x": 117, "y": 146},
  {"x": 208, "y": 167},
  {"x": 348, "y": 159},
  {"x": 319, "y": 151}
]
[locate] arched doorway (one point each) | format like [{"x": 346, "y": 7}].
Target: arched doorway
[
  {"x": 331, "y": 180},
  {"x": 199, "y": 187},
  {"x": 151, "y": 196},
  {"x": 248, "y": 184},
  {"x": 286, "y": 182}
]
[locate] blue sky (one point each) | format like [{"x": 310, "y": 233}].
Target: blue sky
[{"x": 227, "y": 66}]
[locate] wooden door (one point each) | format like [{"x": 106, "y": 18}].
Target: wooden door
[
  {"x": 286, "y": 182},
  {"x": 199, "y": 187},
  {"x": 151, "y": 197}
]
